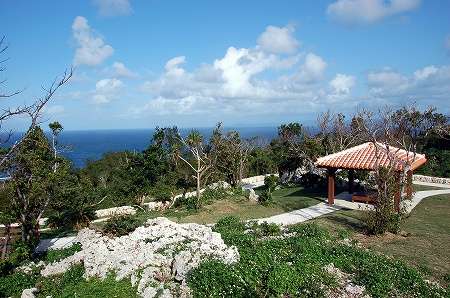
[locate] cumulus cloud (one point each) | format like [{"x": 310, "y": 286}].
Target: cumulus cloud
[
  {"x": 368, "y": 11},
  {"x": 278, "y": 40},
  {"x": 106, "y": 90},
  {"x": 109, "y": 8},
  {"x": 173, "y": 66},
  {"x": 245, "y": 79},
  {"x": 91, "y": 49},
  {"x": 120, "y": 70},
  {"x": 429, "y": 85},
  {"x": 342, "y": 84},
  {"x": 313, "y": 68}
]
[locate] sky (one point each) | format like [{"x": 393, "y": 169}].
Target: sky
[{"x": 141, "y": 64}]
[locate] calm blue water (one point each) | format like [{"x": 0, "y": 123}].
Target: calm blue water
[{"x": 91, "y": 145}]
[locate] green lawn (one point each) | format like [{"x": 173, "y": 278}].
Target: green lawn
[{"x": 425, "y": 242}]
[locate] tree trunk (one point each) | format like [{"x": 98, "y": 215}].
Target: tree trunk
[
  {"x": 198, "y": 182},
  {"x": 7, "y": 238}
]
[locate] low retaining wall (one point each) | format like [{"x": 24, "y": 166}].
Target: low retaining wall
[
  {"x": 256, "y": 179},
  {"x": 431, "y": 179}
]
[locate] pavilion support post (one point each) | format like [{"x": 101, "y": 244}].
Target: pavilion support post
[
  {"x": 351, "y": 181},
  {"x": 398, "y": 193},
  {"x": 409, "y": 188},
  {"x": 331, "y": 178}
]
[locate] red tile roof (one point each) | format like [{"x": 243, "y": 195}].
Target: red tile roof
[{"x": 368, "y": 156}]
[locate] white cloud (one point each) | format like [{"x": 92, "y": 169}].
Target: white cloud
[
  {"x": 120, "y": 70},
  {"x": 254, "y": 79},
  {"x": 425, "y": 73},
  {"x": 429, "y": 85},
  {"x": 278, "y": 40},
  {"x": 342, "y": 84},
  {"x": 91, "y": 49},
  {"x": 313, "y": 68},
  {"x": 173, "y": 66},
  {"x": 368, "y": 11},
  {"x": 106, "y": 90},
  {"x": 110, "y": 8},
  {"x": 54, "y": 110}
]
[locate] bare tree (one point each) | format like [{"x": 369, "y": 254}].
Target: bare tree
[
  {"x": 203, "y": 161},
  {"x": 335, "y": 133}
]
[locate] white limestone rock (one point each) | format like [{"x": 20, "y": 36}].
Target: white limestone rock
[
  {"x": 123, "y": 210},
  {"x": 29, "y": 293},
  {"x": 155, "y": 256},
  {"x": 252, "y": 196}
]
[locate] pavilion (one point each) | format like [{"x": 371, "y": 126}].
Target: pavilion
[{"x": 368, "y": 157}]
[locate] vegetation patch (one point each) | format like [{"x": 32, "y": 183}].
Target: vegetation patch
[{"x": 294, "y": 266}]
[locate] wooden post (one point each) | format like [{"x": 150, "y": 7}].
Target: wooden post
[
  {"x": 409, "y": 188},
  {"x": 398, "y": 193},
  {"x": 351, "y": 180},
  {"x": 331, "y": 186}
]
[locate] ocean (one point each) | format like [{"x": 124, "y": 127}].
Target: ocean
[{"x": 81, "y": 146}]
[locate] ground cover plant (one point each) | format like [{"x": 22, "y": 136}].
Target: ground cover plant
[
  {"x": 292, "y": 264},
  {"x": 424, "y": 234}
]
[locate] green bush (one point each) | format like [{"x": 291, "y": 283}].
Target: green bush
[
  {"x": 6, "y": 267},
  {"x": 270, "y": 182},
  {"x": 13, "y": 284},
  {"x": 121, "y": 225},
  {"x": 73, "y": 284},
  {"x": 265, "y": 198},
  {"x": 21, "y": 252},
  {"x": 211, "y": 194},
  {"x": 55, "y": 255}
]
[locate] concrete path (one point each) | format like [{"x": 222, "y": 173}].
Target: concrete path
[
  {"x": 341, "y": 202},
  {"x": 300, "y": 215},
  {"x": 55, "y": 243}
]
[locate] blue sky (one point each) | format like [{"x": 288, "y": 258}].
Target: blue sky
[{"x": 247, "y": 63}]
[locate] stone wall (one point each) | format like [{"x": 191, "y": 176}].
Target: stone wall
[{"x": 431, "y": 179}]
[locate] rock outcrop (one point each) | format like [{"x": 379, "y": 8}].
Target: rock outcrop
[{"x": 156, "y": 256}]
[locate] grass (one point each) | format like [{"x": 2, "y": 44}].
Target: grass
[
  {"x": 293, "y": 266},
  {"x": 284, "y": 200},
  {"x": 423, "y": 243}
]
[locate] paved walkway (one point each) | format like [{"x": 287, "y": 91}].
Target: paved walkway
[{"x": 341, "y": 202}]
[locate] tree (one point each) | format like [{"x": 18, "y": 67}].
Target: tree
[
  {"x": 28, "y": 165},
  {"x": 231, "y": 154},
  {"x": 293, "y": 148},
  {"x": 387, "y": 130},
  {"x": 34, "y": 180},
  {"x": 335, "y": 134},
  {"x": 202, "y": 157}
]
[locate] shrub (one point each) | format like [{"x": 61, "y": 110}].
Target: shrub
[
  {"x": 384, "y": 218},
  {"x": 211, "y": 194},
  {"x": 312, "y": 180},
  {"x": 6, "y": 267},
  {"x": 73, "y": 284},
  {"x": 13, "y": 284},
  {"x": 265, "y": 198},
  {"x": 55, "y": 255},
  {"x": 72, "y": 217},
  {"x": 121, "y": 225},
  {"x": 270, "y": 182},
  {"x": 21, "y": 252}
]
